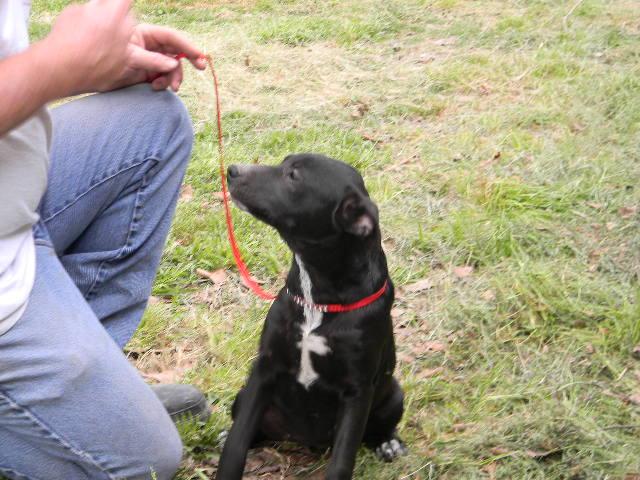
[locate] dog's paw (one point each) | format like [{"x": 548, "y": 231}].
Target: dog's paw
[
  {"x": 222, "y": 438},
  {"x": 390, "y": 450}
]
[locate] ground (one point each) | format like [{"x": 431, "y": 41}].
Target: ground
[{"x": 501, "y": 141}]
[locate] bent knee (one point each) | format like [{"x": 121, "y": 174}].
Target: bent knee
[
  {"x": 159, "y": 111},
  {"x": 157, "y": 454},
  {"x": 173, "y": 112},
  {"x": 168, "y": 455}
]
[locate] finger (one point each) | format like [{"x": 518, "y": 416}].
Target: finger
[
  {"x": 200, "y": 63},
  {"x": 151, "y": 61},
  {"x": 160, "y": 83},
  {"x": 175, "y": 78},
  {"x": 173, "y": 41}
]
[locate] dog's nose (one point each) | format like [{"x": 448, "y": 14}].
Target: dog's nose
[{"x": 233, "y": 171}]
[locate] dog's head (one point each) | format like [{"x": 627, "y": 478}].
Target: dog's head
[{"x": 308, "y": 198}]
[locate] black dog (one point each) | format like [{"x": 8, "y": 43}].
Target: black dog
[{"x": 321, "y": 379}]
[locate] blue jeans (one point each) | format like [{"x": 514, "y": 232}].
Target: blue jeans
[{"x": 71, "y": 405}]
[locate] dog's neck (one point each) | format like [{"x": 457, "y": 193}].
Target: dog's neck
[{"x": 350, "y": 268}]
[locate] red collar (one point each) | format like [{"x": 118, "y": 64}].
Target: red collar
[{"x": 338, "y": 307}]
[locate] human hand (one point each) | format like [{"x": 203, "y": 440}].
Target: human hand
[
  {"x": 96, "y": 46},
  {"x": 149, "y": 49},
  {"x": 88, "y": 47}
]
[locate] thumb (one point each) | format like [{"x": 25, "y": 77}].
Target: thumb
[{"x": 142, "y": 59}]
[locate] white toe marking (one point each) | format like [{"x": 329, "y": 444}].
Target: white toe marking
[
  {"x": 222, "y": 438},
  {"x": 391, "y": 449},
  {"x": 310, "y": 342}
]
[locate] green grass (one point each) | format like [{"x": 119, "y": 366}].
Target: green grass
[{"x": 501, "y": 135}]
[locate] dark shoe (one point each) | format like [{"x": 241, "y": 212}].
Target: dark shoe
[{"x": 183, "y": 401}]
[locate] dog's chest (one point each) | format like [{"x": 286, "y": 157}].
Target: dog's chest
[{"x": 309, "y": 342}]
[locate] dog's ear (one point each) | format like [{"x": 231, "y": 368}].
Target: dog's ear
[{"x": 356, "y": 214}]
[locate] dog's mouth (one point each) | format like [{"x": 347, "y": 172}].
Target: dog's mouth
[
  {"x": 258, "y": 212},
  {"x": 239, "y": 204}
]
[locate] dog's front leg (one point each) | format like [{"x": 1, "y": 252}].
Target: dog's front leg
[
  {"x": 256, "y": 396},
  {"x": 351, "y": 425}
]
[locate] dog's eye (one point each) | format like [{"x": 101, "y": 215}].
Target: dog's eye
[{"x": 293, "y": 174}]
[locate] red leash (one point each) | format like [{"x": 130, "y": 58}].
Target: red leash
[{"x": 247, "y": 279}]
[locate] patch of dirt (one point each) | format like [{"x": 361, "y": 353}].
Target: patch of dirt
[{"x": 286, "y": 462}]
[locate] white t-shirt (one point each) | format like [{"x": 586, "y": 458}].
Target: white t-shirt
[
  {"x": 14, "y": 17},
  {"x": 23, "y": 168},
  {"x": 17, "y": 273}
]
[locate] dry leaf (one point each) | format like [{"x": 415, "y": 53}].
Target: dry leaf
[
  {"x": 463, "y": 272},
  {"x": 371, "y": 138},
  {"x": 484, "y": 89},
  {"x": 269, "y": 469},
  {"x": 253, "y": 464},
  {"x": 446, "y": 41},
  {"x": 487, "y": 163},
  {"x": 491, "y": 470},
  {"x": 434, "y": 346},
  {"x": 405, "y": 357},
  {"x": 396, "y": 312},
  {"x": 317, "y": 475},
  {"x": 488, "y": 295},
  {"x": 619, "y": 396},
  {"x": 220, "y": 195},
  {"x": 153, "y": 300},
  {"x": 217, "y": 277},
  {"x": 426, "y": 58},
  {"x": 540, "y": 454},
  {"x": 499, "y": 451},
  {"x": 635, "y": 398},
  {"x": 419, "y": 286},
  {"x": 595, "y": 206},
  {"x": 186, "y": 193},
  {"x": 170, "y": 375},
  {"x": 461, "y": 427},
  {"x": 167, "y": 365},
  {"x": 208, "y": 295},
  {"x": 632, "y": 476},
  {"x": 627, "y": 212},
  {"x": 430, "y": 372},
  {"x": 359, "y": 110}
]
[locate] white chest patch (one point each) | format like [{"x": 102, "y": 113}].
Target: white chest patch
[{"x": 310, "y": 342}]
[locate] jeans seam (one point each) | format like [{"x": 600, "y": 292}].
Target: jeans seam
[
  {"x": 131, "y": 231},
  {"x": 56, "y": 437},
  {"x": 97, "y": 184}
]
